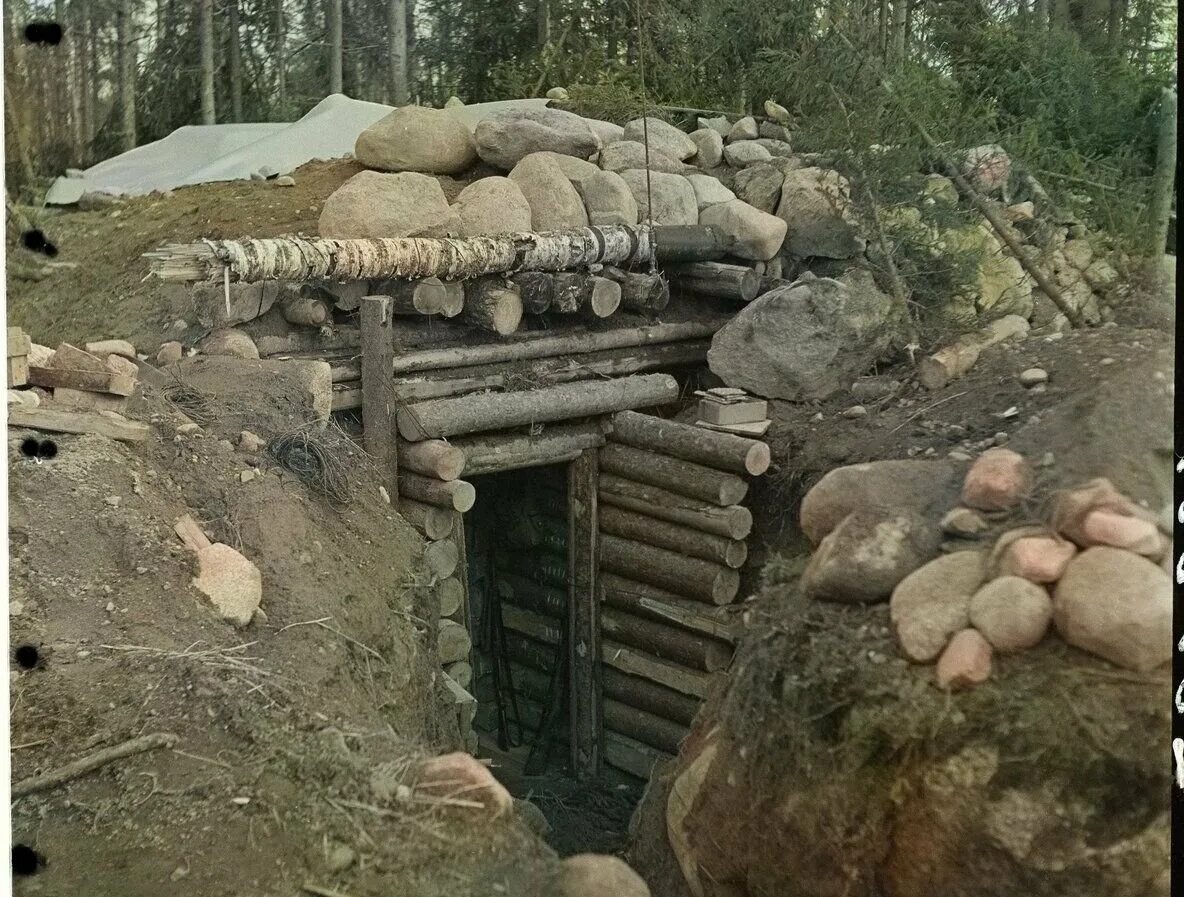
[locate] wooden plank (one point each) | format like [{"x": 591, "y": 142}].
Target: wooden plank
[
  {"x": 640, "y": 663},
  {"x": 18, "y": 371},
  {"x": 378, "y": 399},
  {"x": 111, "y": 426},
  {"x": 19, "y": 342},
  {"x": 583, "y": 607},
  {"x": 88, "y": 381}
]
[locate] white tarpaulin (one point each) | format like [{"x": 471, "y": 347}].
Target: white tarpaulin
[{"x": 199, "y": 154}]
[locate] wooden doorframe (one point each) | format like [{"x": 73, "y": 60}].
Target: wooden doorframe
[{"x": 583, "y": 615}]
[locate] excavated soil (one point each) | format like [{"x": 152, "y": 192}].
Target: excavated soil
[{"x": 281, "y": 727}]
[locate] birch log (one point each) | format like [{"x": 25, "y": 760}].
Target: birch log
[
  {"x": 673, "y": 474},
  {"x": 410, "y": 258},
  {"x": 303, "y": 307},
  {"x": 734, "y": 522},
  {"x": 472, "y": 414},
  {"x": 571, "y": 291},
  {"x": 691, "y": 443},
  {"x": 493, "y": 303},
  {"x": 605, "y": 298}
]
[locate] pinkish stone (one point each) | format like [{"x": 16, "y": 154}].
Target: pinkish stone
[
  {"x": 997, "y": 481},
  {"x": 1073, "y": 506},
  {"x": 1011, "y": 613},
  {"x": 1117, "y": 605},
  {"x": 1040, "y": 559},
  {"x": 1102, "y": 527},
  {"x": 462, "y": 777},
  {"x": 966, "y": 661}
]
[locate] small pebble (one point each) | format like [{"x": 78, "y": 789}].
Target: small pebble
[
  {"x": 1033, "y": 377},
  {"x": 817, "y": 416},
  {"x": 113, "y": 500},
  {"x": 141, "y": 570},
  {"x": 285, "y": 180},
  {"x": 958, "y": 456},
  {"x": 246, "y": 476},
  {"x": 110, "y": 606},
  {"x": 1001, "y": 438},
  {"x": 1053, "y": 337},
  {"x": 1106, "y": 361},
  {"x": 855, "y": 411}
]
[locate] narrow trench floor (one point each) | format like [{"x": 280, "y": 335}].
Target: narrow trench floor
[{"x": 584, "y": 817}]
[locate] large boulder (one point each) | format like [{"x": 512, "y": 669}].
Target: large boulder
[
  {"x": 628, "y": 154},
  {"x": 673, "y": 197},
  {"x": 208, "y": 302},
  {"x": 807, "y": 340},
  {"x": 554, "y": 203},
  {"x": 998, "y": 284},
  {"x": 417, "y": 138},
  {"x": 710, "y": 147},
  {"x": 709, "y": 191},
  {"x": 927, "y": 488},
  {"x": 760, "y": 186},
  {"x": 776, "y": 147},
  {"x": 933, "y": 602},
  {"x": 607, "y": 131},
  {"x": 1117, "y": 605},
  {"x": 597, "y": 875},
  {"x": 371, "y": 204},
  {"x": 492, "y": 206},
  {"x": 607, "y": 199},
  {"x": 756, "y": 235},
  {"x": 864, "y": 558},
  {"x": 744, "y": 129},
  {"x": 816, "y": 203},
  {"x": 505, "y": 138},
  {"x": 745, "y": 152},
  {"x": 661, "y": 135},
  {"x": 1011, "y": 612},
  {"x": 575, "y": 170}
]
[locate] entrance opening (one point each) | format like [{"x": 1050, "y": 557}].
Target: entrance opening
[{"x": 517, "y": 551}]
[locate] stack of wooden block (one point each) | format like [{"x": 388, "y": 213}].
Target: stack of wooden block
[
  {"x": 18, "y": 357},
  {"x": 97, "y": 380},
  {"x": 731, "y": 410}
]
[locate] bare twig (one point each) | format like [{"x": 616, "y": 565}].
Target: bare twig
[
  {"x": 89, "y": 764},
  {"x": 309, "y": 887},
  {"x": 929, "y": 407}
]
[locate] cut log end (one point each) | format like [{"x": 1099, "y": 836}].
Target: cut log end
[
  {"x": 757, "y": 459},
  {"x": 717, "y": 657},
  {"x": 493, "y": 304},
  {"x": 441, "y": 558},
  {"x": 606, "y": 297}
]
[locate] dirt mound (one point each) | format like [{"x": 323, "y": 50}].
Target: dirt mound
[
  {"x": 280, "y": 727},
  {"x": 106, "y": 295},
  {"x": 1104, "y": 412},
  {"x": 838, "y": 768}
]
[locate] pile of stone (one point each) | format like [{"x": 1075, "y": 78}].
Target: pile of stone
[{"x": 1097, "y": 571}]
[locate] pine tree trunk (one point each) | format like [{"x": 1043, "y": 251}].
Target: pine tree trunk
[
  {"x": 76, "y": 89},
  {"x": 125, "y": 30},
  {"x": 900, "y": 12},
  {"x": 234, "y": 56},
  {"x": 397, "y": 30},
  {"x": 278, "y": 56},
  {"x": 208, "y": 115},
  {"x": 1163, "y": 180},
  {"x": 1040, "y": 14},
  {"x": 335, "y": 47},
  {"x": 543, "y": 22},
  {"x": 1114, "y": 25}
]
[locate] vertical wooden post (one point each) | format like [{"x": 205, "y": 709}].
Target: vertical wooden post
[
  {"x": 378, "y": 392},
  {"x": 462, "y": 568},
  {"x": 583, "y": 614}
]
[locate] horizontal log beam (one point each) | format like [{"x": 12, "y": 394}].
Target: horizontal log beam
[
  {"x": 431, "y": 458},
  {"x": 472, "y": 414},
  {"x": 734, "y": 522},
  {"x": 631, "y": 756},
  {"x": 649, "y": 696},
  {"x": 690, "y": 443},
  {"x": 673, "y": 474},
  {"x": 698, "y": 579},
  {"x": 651, "y": 602},
  {"x": 715, "y": 279},
  {"x": 458, "y": 495},
  {"x": 673, "y": 537},
  {"x": 666, "y": 642},
  {"x": 432, "y": 521},
  {"x": 643, "y": 726},
  {"x": 643, "y": 664},
  {"x": 490, "y": 452}
]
